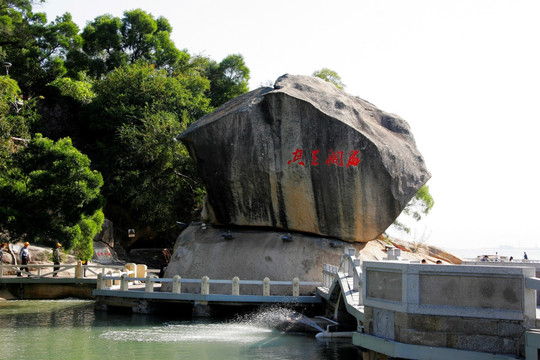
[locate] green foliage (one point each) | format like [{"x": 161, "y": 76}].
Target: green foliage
[
  {"x": 122, "y": 90},
  {"x": 76, "y": 89},
  {"x": 420, "y": 205},
  {"x": 168, "y": 189},
  {"x": 17, "y": 117},
  {"x": 330, "y": 76},
  {"x": 110, "y": 42},
  {"x": 130, "y": 91},
  {"x": 228, "y": 79},
  {"x": 36, "y": 50},
  {"x": 47, "y": 193},
  {"x": 137, "y": 112},
  {"x": 89, "y": 226}
]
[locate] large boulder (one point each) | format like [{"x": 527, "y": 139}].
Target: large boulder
[
  {"x": 307, "y": 157},
  {"x": 251, "y": 254}
]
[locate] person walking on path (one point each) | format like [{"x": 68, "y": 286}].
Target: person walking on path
[
  {"x": 24, "y": 256},
  {"x": 57, "y": 256}
]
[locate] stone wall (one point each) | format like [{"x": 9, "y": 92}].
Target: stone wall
[
  {"x": 464, "y": 333},
  {"x": 473, "y": 308}
]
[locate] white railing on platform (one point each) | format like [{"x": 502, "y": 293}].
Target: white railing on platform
[
  {"x": 329, "y": 273},
  {"x": 350, "y": 266},
  {"x": 47, "y": 271},
  {"x": 123, "y": 283}
]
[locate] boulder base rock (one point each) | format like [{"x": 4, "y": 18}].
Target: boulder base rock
[
  {"x": 251, "y": 255},
  {"x": 305, "y": 156}
]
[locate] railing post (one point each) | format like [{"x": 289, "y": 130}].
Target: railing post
[
  {"x": 1, "y": 270},
  {"x": 356, "y": 279},
  {"x": 124, "y": 283},
  {"x": 78, "y": 270},
  {"x": 39, "y": 272},
  {"x": 148, "y": 284},
  {"x": 100, "y": 283},
  {"x": 236, "y": 285},
  {"x": 176, "y": 284},
  {"x": 205, "y": 285},
  {"x": 296, "y": 287},
  {"x": 266, "y": 286}
]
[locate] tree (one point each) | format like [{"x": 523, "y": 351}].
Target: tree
[
  {"x": 330, "y": 76},
  {"x": 17, "y": 117},
  {"x": 50, "y": 195},
  {"x": 228, "y": 79},
  {"x": 136, "y": 113},
  {"x": 110, "y": 42},
  {"x": 419, "y": 206},
  {"x": 168, "y": 189},
  {"x": 35, "y": 49},
  {"x": 130, "y": 92}
]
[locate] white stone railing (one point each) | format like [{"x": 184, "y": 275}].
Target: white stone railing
[
  {"x": 350, "y": 265},
  {"x": 473, "y": 291},
  {"x": 79, "y": 270},
  {"x": 329, "y": 273},
  {"x": 532, "y": 283},
  {"x": 124, "y": 282}
]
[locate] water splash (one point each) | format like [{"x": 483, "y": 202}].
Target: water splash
[
  {"x": 247, "y": 329},
  {"x": 191, "y": 332},
  {"x": 283, "y": 319}
]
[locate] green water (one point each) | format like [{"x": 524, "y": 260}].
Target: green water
[{"x": 70, "y": 329}]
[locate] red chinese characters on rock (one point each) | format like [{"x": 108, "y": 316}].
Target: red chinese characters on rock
[{"x": 334, "y": 158}]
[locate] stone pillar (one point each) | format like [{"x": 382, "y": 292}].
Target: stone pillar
[
  {"x": 236, "y": 286},
  {"x": 148, "y": 285},
  {"x": 296, "y": 287},
  {"x": 124, "y": 283},
  {"x": 205, "y": 285},
  {"x": 78, "y": 270},
  {"x": 176, "y": 285},
  {"x": 266, "y": 287},
  {"x": 356, "y": 279},
  {"x": 100, "y": 283}
]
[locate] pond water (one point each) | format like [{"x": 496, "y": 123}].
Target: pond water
[{"x": 71, "y": 329}]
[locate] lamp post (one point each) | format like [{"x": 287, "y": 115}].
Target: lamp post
[{"x": 7, "y": 65}]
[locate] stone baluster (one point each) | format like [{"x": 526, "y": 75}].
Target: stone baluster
[
  {"x": 78, "y": 270},
  {"x": 148, "y": 285},
  {"x": 266, "y": 286},
  {"x": 205, "y": 285},
  {"x": 100, "y": 283},
  {"x": 176, "y": 285},
  {"x": 236, "y": 285},
  {"x": 296, "y": 287},
  {"x": 124, "y": 283}
]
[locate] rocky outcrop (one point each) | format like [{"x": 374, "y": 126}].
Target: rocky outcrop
[
  {"x": 305, "y": 156},
  {"x": 106, "y": 235},
  {"x": 203, "y": 250}
]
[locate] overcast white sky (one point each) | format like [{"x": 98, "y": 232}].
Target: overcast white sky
[{"x": 464, "y": 74}]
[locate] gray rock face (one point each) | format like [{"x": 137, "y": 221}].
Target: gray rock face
[
  {"x": 251, "y": 255},
  {"x": 306, "y": 157},
  {"x": 106, "y": 234}
]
